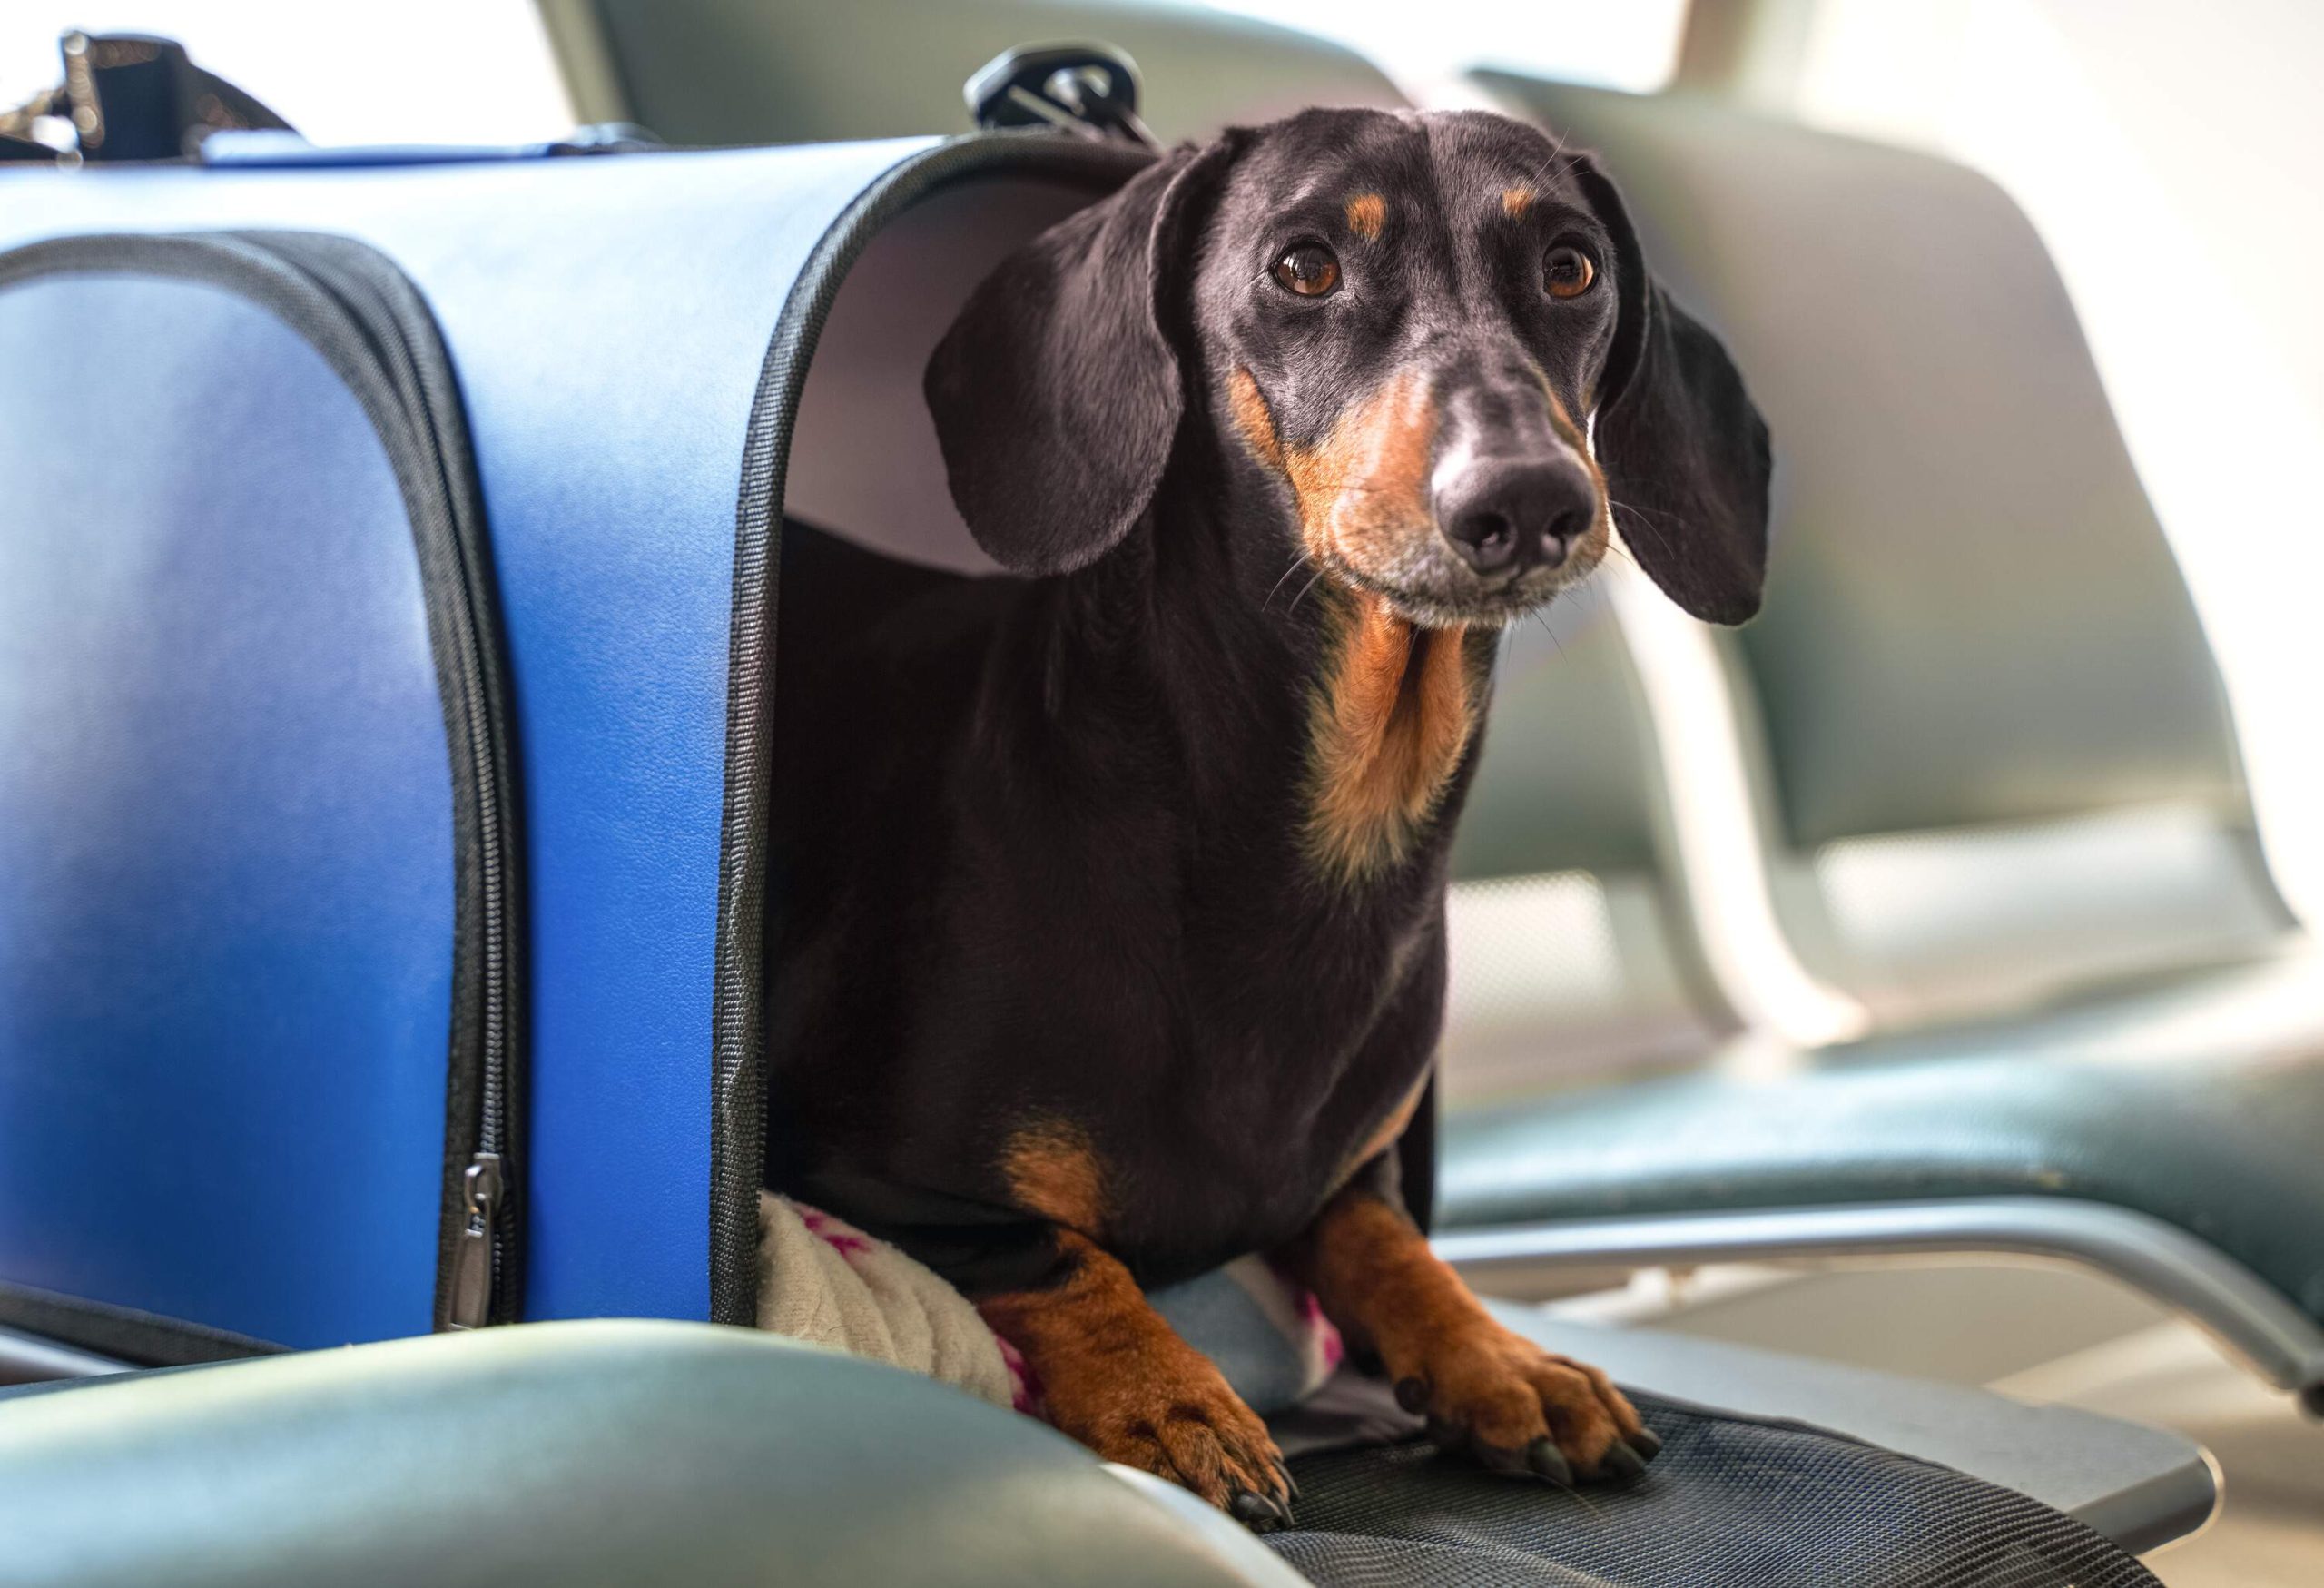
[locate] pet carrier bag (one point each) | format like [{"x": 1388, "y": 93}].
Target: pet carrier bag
[{"x": 386, "y": 576}]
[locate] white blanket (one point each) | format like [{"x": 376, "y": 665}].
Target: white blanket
[{"x": 823, "y": 1280}]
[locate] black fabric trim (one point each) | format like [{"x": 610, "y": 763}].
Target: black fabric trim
[
  {"x": 144, "y": 1340},
  {"x": 371, "y": 325},
  {"x": 738, "y": 1062}
]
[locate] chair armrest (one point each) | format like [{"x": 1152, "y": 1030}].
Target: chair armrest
[{"x": 2141, "y": 1486}]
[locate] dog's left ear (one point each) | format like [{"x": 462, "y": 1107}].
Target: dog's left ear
[
  {"x": 1057, "y": 392},
  {"x": 1684, "y": 450}
]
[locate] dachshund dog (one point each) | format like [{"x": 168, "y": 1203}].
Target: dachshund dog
[{"x": 1109, "y": 939}]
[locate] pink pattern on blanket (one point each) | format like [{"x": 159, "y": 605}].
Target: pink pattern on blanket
[
  {"x": 1028, "y": 1383},
  {"x": 847, "y": 1243},
  {"x": 1326, "y": 1333}
]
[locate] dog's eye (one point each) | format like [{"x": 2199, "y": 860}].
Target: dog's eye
[
  {"x": 1567, "y": 271},
  {"x": 1308, "y": 269}
]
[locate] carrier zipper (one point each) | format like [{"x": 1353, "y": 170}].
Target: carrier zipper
[
  {"x": 475, "y": 1256},
  {"x": 353, "y": 306},
  {"x": 484, "y": 1269}
]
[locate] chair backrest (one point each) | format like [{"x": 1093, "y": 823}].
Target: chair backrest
[
  {"x": 1574, "y": 958},
  {"x": 780, "y": 71},
  {"x": 1996, "y": 757}
]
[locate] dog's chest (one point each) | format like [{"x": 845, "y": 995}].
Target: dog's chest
[{"x": 1252, "y": 1127}]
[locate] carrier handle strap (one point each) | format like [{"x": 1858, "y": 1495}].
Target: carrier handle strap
[{"x": 1089, "y": 91}]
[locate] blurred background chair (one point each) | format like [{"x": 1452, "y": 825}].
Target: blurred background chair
[
  {"x": 1575, "y": 958},
  {"x": 788, "y": 71},
  {"x": 1995, "y": 792}
]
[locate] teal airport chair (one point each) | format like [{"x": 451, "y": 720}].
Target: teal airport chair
[{"x": 1994, "y": 783}]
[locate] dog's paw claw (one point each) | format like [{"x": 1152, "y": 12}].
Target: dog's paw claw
[
  {"x": 1516, "y": 1408},
  {"x": 1543, "y": 1457},
  {"x": 1259, "y": 1513},
  {"x": 1623, "y": 1462},
  {"x": 1200, "y": 1437}
]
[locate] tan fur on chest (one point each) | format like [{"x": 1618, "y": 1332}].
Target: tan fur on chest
[
  {"x": 1397, "y": 705},
  {"x": 1389, "y": 728}
]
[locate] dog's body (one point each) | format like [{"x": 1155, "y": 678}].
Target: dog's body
[
  {"x": 1110, "y": 933},
  {"x": 1088, "y": 914}
]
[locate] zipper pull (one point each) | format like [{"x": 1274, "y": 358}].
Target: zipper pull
[{"x": 471, "y": 1303}]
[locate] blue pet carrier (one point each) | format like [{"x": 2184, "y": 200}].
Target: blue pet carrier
[{"x": 385, "y": 601}]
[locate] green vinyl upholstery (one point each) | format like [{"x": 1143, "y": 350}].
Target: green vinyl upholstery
[
  {"x": 578, "y": 1454},
  {"x": 2227, "y": 1152}
]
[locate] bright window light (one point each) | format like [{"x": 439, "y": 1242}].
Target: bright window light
[
  {"x": 417, "y": 72},
  {"x": 2166, "y": 156},
  {"x": 1633, "y": 45}
]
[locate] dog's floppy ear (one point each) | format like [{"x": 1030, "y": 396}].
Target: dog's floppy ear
[
  {"x": 1684, "y": 450},
  {"x": 1057, "y": 392}
]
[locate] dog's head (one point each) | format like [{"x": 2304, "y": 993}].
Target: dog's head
[{"x": 1434, "y": 336}]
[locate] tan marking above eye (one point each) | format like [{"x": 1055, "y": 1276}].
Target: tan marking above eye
[
  {"x": 1366, "y": 215},
  {"x": 1515, "y": 201}
]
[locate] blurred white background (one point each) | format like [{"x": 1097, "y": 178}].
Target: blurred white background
[
  {"x": 2167, "y": 152},
  {"x": 417, "y": 71}
]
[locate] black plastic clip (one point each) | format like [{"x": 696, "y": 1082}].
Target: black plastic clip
[{"x": 1087, "y": 89}]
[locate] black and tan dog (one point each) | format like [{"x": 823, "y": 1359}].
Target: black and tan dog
[{"x": 1112, "y": 894}]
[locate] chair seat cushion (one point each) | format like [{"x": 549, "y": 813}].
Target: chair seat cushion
[
  {"x": 2198, "y": 1102},
  {"x": 1731, "y": 1501}
]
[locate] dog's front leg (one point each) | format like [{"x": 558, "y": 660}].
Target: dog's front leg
[
  {"x": 1484, "y": 1388},
  {"x": 1118, "y": 1378}
]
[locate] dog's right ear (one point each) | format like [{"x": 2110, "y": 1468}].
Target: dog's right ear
[
  {"x": 1057, "y": 393},
  {"x": 1683, "y": 446}
]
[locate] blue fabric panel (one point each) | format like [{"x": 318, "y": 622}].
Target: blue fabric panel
[
  {"x": 225, "y": 826},
  {"x": 607, "y": 318}
]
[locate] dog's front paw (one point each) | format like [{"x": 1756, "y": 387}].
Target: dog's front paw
[
  {"x": 1181, "y": 1421},
  {"x": 1116, "y": 1378},
  {"x": 1520, "y": 1409}
]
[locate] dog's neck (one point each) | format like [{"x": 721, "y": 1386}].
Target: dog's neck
[{"x": 1311, "y": 717}]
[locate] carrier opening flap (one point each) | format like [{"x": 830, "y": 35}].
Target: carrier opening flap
[{"x": 864, "y": 462}]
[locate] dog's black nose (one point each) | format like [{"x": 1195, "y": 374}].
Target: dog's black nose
[{"x": 1509, "y": 517}]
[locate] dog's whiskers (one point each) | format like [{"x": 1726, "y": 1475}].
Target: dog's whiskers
[{"x": 1280, "y": 582}]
